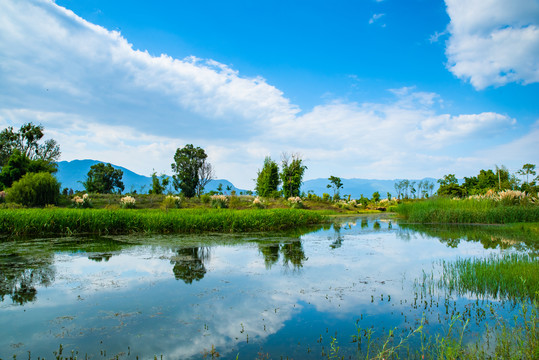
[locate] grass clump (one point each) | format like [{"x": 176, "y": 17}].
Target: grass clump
[
  {"x": 122, "y": 221},
  {"x": 467, "y": 211},
  {"x": 510, "y": 276}
]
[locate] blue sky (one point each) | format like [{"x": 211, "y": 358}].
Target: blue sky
[{"x": 369, "y": 89}]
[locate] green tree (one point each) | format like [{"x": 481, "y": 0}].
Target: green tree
[
  {"x": 159, "y": 183},
  {"x": 292, "y": 171},
  {"x": 449, "y": 186},
  {"x": 336, "y": 184},
  {"x": 104, "y": 179},
  {"x": 527, "y": 170},
  {"x": 35, "y": 189},
  {"x": 19, "y": 164},
  {"x": 187, "y": 163},
  {"x": 268, "y": 180},
  {"x": 375, "y": 196},
  {"x": 26, "y": 140}
]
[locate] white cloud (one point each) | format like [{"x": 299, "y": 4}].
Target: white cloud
[
  {"x": 375, "y": 17},
  {"x": 493, "y": 42},
  {"x": 102, "y": 99}
]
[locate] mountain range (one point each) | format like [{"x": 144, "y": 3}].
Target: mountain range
[{"x": 71, "y": 174}]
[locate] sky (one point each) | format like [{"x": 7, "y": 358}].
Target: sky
[{"x": 377, "y": 89}]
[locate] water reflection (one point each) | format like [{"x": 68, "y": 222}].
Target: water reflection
[
  {"x": 236, "y": 292},
  {"x": 189, "y": 263},
  {"x": 20, "y": 274}
]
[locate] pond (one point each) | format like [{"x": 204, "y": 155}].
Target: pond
[{"x": 278, "y": 295}]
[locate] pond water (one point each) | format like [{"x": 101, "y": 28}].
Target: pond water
[{"x": 261, "y": 295}]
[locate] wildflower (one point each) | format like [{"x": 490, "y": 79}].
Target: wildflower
[{"x": 127, "y": 202}]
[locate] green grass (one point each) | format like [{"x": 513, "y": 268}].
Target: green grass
[
  {"x": 510, "y": 276},
  {"x": 120, "y": 221},
  {"x": 443, "y": 210}
]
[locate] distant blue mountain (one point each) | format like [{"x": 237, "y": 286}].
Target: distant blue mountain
[
  {"x": 71, "y": 174},
  {"x": 357, "y": 187}
]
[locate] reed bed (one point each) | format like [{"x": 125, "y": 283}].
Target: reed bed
[
  {"x": 510, "y": 276},
  {"x": 467, "y": 211},
  {"x": 123, "y": 221}
]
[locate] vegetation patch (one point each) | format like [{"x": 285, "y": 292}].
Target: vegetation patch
[
  {"x": 467, "y": 211},
  {"x": 122, "y": 221}
]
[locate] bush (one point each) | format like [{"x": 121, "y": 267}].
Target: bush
[
  {"x": 82, "y": 202},
  {"x": 35, "y": 189},
  {"x": 171, "y": 202},
  {"x": 127, "y": 202},
  {"x": 219, "y": 201}
]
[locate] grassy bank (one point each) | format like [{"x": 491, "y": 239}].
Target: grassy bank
[
  {"x": 120, "y": 221},
  {"x": 467, "y": 211}
]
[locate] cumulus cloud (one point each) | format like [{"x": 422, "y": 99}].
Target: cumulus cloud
[
  {"x": 102, "y": 99},
  {"x": 493, "y": 42}
]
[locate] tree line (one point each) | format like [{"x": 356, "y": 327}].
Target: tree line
[{"x": 28, "y": 164}]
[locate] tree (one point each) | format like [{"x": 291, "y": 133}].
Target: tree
[
  {"x": 26, "y": 140},
  {"x": 187, "y": 163},
  {"x": 527, "y": 170},
  {"x": 205, "y": 175},
  {"x": 159, "y": 183},
  {"x": 376, "y": 196},
  {"x": 449, "y": 186},
  {"x": 19, "y": 164},
  {"x": 104, "y": 179},
  {"x": 35, "y": 189},
  {"x": 336, "y": 184},
  {"x": 268, "y": 180},
  {"x": 292, "y": 171}
]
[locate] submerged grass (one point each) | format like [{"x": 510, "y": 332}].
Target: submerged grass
[
  {"x": 101, "y": 221},
  {"x": 467, "y": 211}
]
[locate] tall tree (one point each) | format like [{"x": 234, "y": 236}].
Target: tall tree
[
  {"x": 527, "y": 170},
  {"x": 336, "y": 184},
  {"x": 187, "y": 163},
  {"x": 268, "y": 180},
  {"x": 205, "y": 175},
  {"x": 26, "y": 140},
  {"x": 292, "y": 171},
  {"x": 104, "y": 179}
]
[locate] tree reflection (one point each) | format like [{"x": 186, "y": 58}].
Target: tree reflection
[
  {"x": 270, "y": 252},
  {"x": 337, "y": 240},
  {"x": 19, "y": 276},
  {"x": 291, "y": 251},
  {"x": 189, "y": 263}
]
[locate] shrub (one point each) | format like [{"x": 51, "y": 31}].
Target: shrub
[
  {"x": 127, "y": 202},
  {"x": 295, "y": 202},
  {"x": 35, "y": 189},
  {"x": 206, "y": 198},
  {"x": 82, "y": 202},
  {"x": 257, "y": 203},
  {"x": 325, "y": 197},
  {"x": 219, "y": 201},
  {"x": 171, "y": 202}
]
